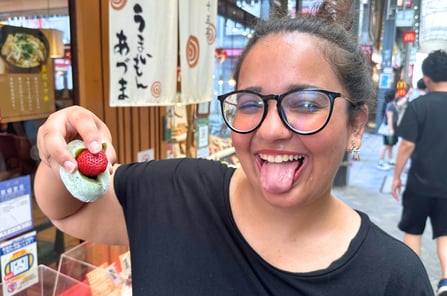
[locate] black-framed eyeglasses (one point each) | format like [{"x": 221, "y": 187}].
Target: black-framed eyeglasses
[{"x": 304, "y": 111}]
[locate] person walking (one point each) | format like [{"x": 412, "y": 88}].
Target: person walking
[
  {"x": 389, "y": 140},
  {"x": 412, "y": 94},
  {"x": 423, "y": 138},
  {"x": 415, "y": 93},
  {"x": 271, "y": 226}
]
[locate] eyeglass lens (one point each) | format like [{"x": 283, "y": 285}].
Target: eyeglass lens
[{"x": 304, "y": 111}]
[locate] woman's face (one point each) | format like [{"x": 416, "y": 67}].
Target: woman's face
[{"x": 277, "y": 64}]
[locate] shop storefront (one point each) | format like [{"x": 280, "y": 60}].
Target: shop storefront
[{"x": 36, "y": 78}]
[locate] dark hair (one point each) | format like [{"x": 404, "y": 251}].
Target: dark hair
[
  {"x": 435, "y": 66},
  {"x": 421, "y": 84},
  {"x": 390, "y": 94},
  {"x": 330, "y": 23}
]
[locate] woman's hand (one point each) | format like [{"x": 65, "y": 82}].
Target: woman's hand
[
  {"x": 66, "y": 125},
  {"x": 101, "y": 220}
]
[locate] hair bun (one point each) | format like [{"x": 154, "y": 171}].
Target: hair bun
[{"x": 335, "y": 11}]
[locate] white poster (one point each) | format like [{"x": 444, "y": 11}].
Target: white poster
[
  {"x": 143, "y": 52},
  {"x": 18, "y": 258},
  {"x": 197, "y": 23},
  {"x": 15, "y": 206}
]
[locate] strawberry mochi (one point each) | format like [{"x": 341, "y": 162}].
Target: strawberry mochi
[{"x": 92, "y": 178}]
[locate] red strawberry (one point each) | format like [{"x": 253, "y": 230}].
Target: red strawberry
[{"x": 91, "y": 165}]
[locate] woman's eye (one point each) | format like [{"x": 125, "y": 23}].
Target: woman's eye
[
  {"x": 303, "y": 106},
  {"x": 306, "y": 102},
  {"x": 249, "y": 103}
]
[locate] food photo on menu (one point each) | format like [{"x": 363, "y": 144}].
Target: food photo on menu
[
  {"x": 23, "y": 50},
  {"x": 26, "y": 72}
]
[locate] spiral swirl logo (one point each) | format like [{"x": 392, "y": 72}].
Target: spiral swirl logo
[
  {"x": 156, "y": 89},
  {"x": 210, "y": 34},
  {"x": 118, "y": 4},
  {"x": 192, "y": 51}
]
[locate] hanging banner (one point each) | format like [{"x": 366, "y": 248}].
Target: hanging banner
[
  {"x": 143, "y": 52},
  {"x": 26, "y": 74},
  {"x": 197, "y": 23}
]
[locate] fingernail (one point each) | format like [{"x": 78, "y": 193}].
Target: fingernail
[
  {"x": 69, "y": 166},
  {"x": 94, "y": 147}
]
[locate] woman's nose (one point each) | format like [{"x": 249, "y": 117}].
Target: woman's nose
[{"x": 273, "y": 127}]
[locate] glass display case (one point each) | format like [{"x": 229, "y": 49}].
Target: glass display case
[
  {"x": 105, "y": 268},
  {"x": 50, "y": 283}
]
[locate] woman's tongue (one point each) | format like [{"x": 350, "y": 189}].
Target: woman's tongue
[{"x": 278, "y": 177}]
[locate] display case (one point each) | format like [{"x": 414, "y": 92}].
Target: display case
[
  {"x": 105, "y": 268},
  {"x": 50, "y": 283},
  {"x": 88, "y": 269}
]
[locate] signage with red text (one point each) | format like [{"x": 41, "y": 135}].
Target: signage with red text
[{"x": 409, "y": 37}]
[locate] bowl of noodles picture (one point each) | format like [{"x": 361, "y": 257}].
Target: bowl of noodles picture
[{"x": 23, "y": 50}]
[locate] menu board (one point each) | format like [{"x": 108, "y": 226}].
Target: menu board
[{"x": 26, "y": 74}]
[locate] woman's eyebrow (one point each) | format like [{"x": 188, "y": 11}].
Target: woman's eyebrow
[{"x": 258, "y": 89}]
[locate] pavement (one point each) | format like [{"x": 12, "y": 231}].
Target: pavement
[{"x": 368, "y": 189}]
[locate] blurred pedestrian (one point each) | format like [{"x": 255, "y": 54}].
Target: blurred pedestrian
[
  {"x": 415, "y": 93},
  {"x": 391, "y": 115},
  {"x": 423, "y": 133},
  {"x": 412, "y": 94}
]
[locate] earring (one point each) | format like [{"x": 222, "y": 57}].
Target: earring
[{"x": 355, "y": 152}]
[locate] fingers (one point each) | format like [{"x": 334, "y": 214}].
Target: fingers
[
  {"x": 51, "y": 141},
  {"x": 396, "y": 195},
  {"x": 111, "y": 155},
  {"x": 66, "y": 125},
  {"x": 396, "y": 189},
  {"x": 85, "y": 125}
]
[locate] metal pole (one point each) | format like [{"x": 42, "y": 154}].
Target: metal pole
[
  {"x": 298, "y": 6},
  {"x": 386, "y": 80}
]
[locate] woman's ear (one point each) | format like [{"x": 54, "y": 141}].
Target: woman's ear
[{"x": 357, "y": 127}]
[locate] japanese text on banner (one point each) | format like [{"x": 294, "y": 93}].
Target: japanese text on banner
[{"x": 143, "y": 52}]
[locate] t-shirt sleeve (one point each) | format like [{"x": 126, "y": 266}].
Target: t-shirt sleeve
[{"x": 408, "y": 127}]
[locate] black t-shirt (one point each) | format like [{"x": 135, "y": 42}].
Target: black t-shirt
[
  {"x": 184, "y": 241},
  {"x": 425, "y": 124}
]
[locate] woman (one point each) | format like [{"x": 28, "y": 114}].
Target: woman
[
  {"x": 389, "y": 140},
  {"x": 271, "y": 227}
]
